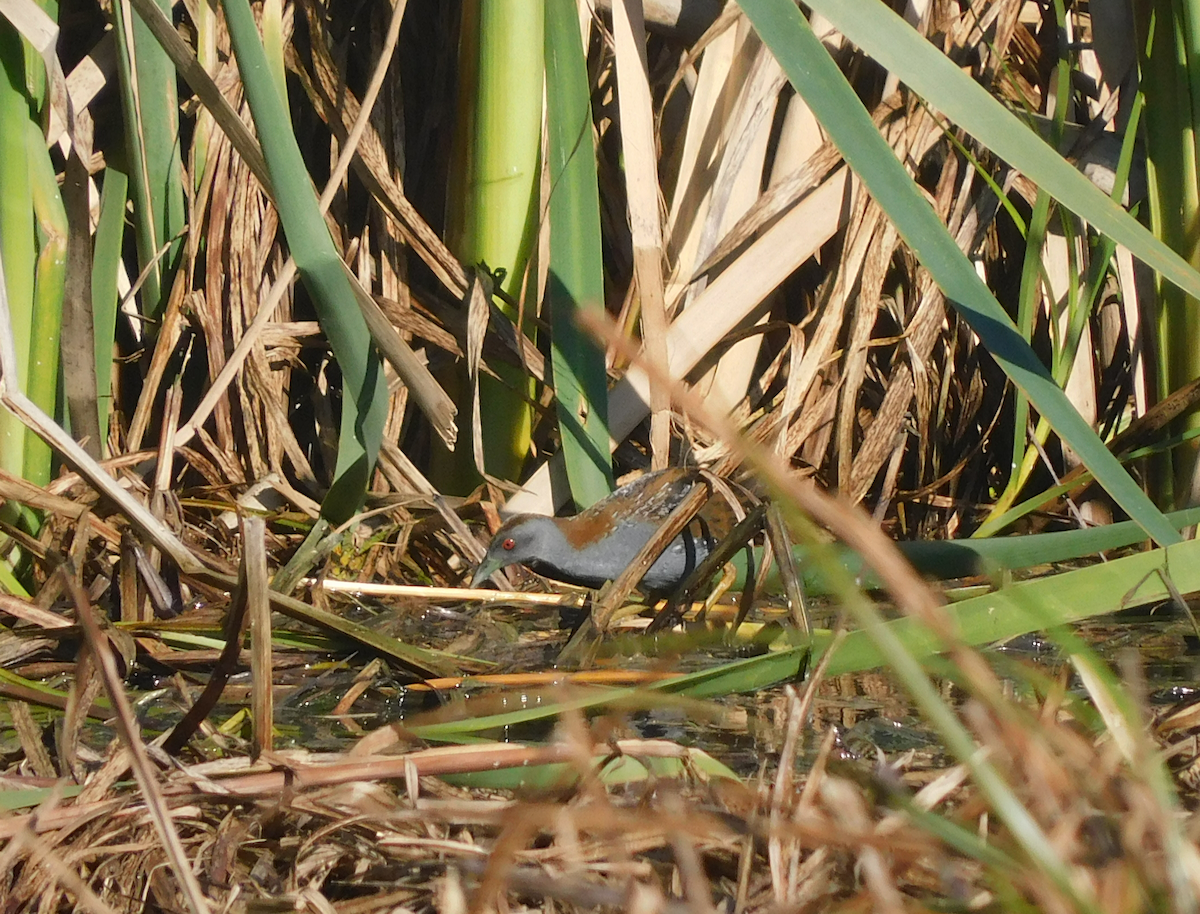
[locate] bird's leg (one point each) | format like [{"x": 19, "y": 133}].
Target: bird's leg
[
  {"x": 606, "y": 610},
  {"x": 738, "y": 537},
  {"x": 723, "y": 587}
]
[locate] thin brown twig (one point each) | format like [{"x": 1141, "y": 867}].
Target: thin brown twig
[{"x": 258, "y": 611}]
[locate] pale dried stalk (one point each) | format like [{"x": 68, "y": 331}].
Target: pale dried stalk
[
  {"x": 730, "y": 298},
  {"x": 642, "y": 192},
  {"x": 258, "y": 611},
  {"x": 722, "y": 70},
  {"x": 737, "y": 187}
]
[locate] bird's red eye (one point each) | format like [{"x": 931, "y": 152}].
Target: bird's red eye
[{"x": 509, "y": 544}]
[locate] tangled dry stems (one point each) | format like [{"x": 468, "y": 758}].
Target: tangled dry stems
[{"x": 377, "y": 828}]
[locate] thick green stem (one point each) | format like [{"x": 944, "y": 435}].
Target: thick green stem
[
  {"x": 494, "y": 212},
  {"x": 17, "y": 239}
]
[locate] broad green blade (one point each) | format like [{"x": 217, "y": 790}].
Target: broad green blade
[
  {"x": 41, "y": 384},
  {"x": 576, "y": 279},
  {"x": 25, "y": 797},
  {"x": 365, "y": 397},
  {"x": 1046, "y": 603},
  {"x": 1028, "y": 606},
  {"x": 17, "y": 239},
  {"x": 835, "y": 104},
  {"x": 894, "y": 44},
  {"x": 944, "y": 559},
  {"x": 33, "y": 241},
  {"x": 1168, "y": 74},
  {"x": 611, "y": 770}
]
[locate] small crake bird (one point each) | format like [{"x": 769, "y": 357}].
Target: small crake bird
[{"x": 597, "y": 545}]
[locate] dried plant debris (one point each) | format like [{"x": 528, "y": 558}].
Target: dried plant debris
[
  {"x": 176, "y": 736},
  {"x": 350, "y": 801},
  {"x": 379, "y": 828}
]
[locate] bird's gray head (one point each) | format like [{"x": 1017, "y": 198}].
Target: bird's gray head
[{"x": 520, "y": 539}]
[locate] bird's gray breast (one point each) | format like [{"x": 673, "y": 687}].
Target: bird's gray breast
[{"x": 668, "y": 571}]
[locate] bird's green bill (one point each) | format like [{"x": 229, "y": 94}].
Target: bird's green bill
[{"x": 488, "y": 567}]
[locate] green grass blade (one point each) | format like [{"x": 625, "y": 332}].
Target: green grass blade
[
  {"x": 576, "y": 279},
  {"x": 1036, "y": 605},
  {"x": 1028, "y": 606},
  {"x": 50, "y": 217},
  {"x": 365, "y": 398},
  {"x": 17, "y": 239},
  {"x": 742, "y": 676},
  {"x": 1033, "y": 275},
  {"x": 26, "y": 797},
  {"x": 944, "y": 559},
  {"x": 581, "y": 700},
  {"x": 958, "y": 558},
  {"x": 724, "y": 679},
  {"x": 1168, "y": 71},
  {"x": 610, "y": 770},
  {"x": 272, "y": 39},
  {"x": 998, "y": 520},
  {"x": 817, "y": 78},
  {"x": 1029, "y": 300},
  {"x": 1103, "y": 249},
  {"x": 151, "y": 108},
  {"x": 106, "y": 266},
  {"x": 9, "y": 582},
  {"x": 39, "y": 693}
]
